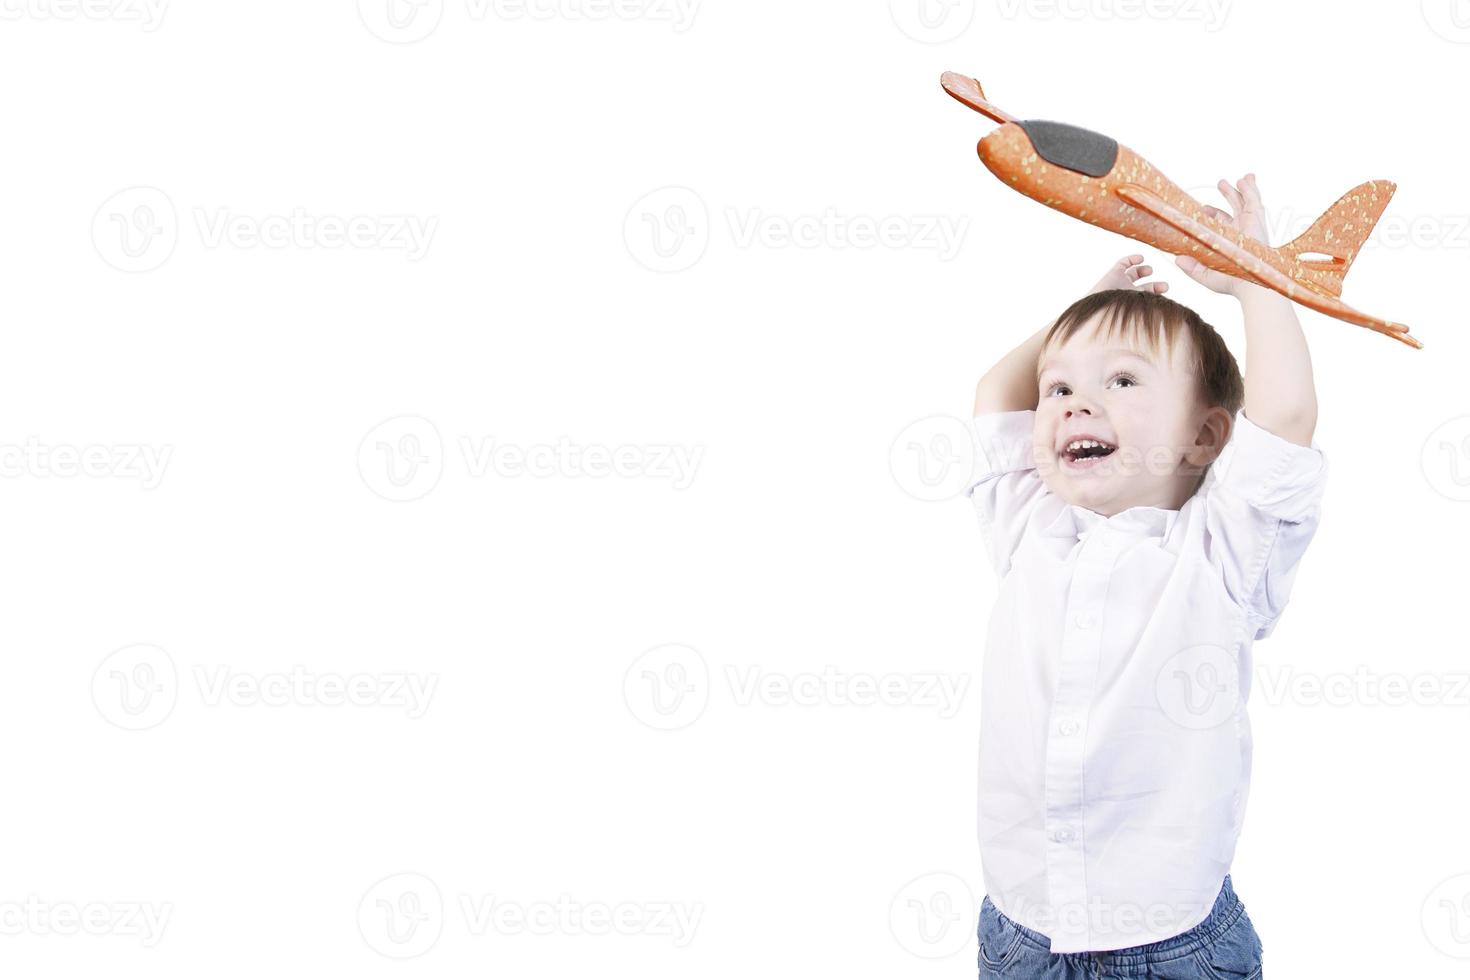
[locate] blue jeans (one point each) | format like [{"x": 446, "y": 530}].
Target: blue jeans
[{"x": 1222, "y": 947}]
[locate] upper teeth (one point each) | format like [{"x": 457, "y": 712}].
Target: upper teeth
[{"x": 1084, "y": 444}]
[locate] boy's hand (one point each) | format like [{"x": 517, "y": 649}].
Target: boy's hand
[
  {"x": 1125, "y": 274},
  {"x": 1249, "y": 219}
]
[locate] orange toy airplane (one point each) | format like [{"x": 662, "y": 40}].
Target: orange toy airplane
[{"x": 1096, "y": 179}]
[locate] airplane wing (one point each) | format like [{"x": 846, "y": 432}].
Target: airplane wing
[{"x": 1252, "y": 267}]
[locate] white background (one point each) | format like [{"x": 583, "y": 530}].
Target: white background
[{"x": 293, "y": 389}]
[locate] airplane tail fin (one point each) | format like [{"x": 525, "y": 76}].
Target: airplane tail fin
[{"x": 1334, "y": 239}]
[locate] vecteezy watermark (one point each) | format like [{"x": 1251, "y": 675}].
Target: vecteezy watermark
[
  {"x": 221, "y": 684},
  {"x": 1361, "y": 687},
  {"x": 137, "y": 687},
  {"x": 1445, "y": 917},
  {"x": 1211, "y": 13},
  {"x": 933, "y": 459},
  {"x": 1445, "y": 459},
  {"x": 1199, "y": 687},
  {"x": 566, "y": 916},
  {"x": 934, "y": 915},
  {"x": 833, "y": 687},
  {"x": 403, "y": 916},
  {"x": 1284, "y": 224},
  {"x": 669, "y": 687},
  {"x": 939, "y": 457},
  {"x": 137, "y": 230},
  {"x": 1450, "y": 19},
  {"x": 124, "y": 461},
  {"x": 932, "y": 21},
  {"x": 669, "y": 230},
  {"x": 34, "y": 916},
  {"x": 147, "y": 14},
  {"x": 408, "y": 21},
  {"x": 403, "y": 458},
  {"x": 939, "y": 233}
]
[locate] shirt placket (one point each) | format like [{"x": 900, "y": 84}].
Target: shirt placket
[{"x": 1077, "y": 673}]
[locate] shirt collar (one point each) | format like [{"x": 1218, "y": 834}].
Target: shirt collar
[{"x": 1143, "y": 520}]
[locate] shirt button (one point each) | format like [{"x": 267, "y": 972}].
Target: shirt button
[
  {"x": 1069, "y": 727},
  {"x": 1063, "y": 836},
  {"x": 1085, "y": 620}
]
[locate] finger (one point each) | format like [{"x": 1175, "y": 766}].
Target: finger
[
  {"x": 1160, "y": 287},
  {"x": 1217, "y": 214},
  {"x": 1139, "y": 271},
  {"x": 1193, "y": 268},
  {"x": 1237, "y": 203},
  {"x": 1128, "y": 260},
  {"x": 1251, "y": 192}
]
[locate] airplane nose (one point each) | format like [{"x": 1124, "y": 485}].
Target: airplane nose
[{"x": 1008, "y": 142}]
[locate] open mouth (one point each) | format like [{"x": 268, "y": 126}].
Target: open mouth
[{"x": 1084, "y": 453}]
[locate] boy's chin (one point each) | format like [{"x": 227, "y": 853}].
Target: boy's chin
[{"x": 1093, "y": 490}]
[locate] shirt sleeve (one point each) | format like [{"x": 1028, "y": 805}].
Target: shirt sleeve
[
  {"x": 1261, "y": 512},
  {"x": 1007, "y": 486}
]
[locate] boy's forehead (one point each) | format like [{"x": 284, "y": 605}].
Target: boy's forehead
[{"x": 1090, "y": 341}]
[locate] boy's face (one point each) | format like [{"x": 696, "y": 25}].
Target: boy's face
[{"x": 1145, "y": 405}]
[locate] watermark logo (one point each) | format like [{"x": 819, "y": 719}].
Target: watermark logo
[
  {"x": 1450, "y": 19},
  {"x": 402, "y": 458},
  {"x": 667, "y": 230},
  {"x": 934, "y": 915},
  {"x": 1445, "y": 459},
  {"x": 933, "y": 459},
  {"x": 1199, "y": 687},
  {"x": 667, "y": 687},
  {"x": 136, "y": 687},
  {"x": 1445, "y": 916},
  {"x": 136, "y": 229},
  {"x": 400, "y": 21},
  {"x": 932, "y": 21},
  {"x": 404, "y": 915},
  {"x": 401, "y": 916}
]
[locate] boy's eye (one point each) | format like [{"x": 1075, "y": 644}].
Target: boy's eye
[{"x": 1060, "y": 388}]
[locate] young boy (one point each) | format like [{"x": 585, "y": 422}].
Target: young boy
[{"x": 1146, "y": 509}]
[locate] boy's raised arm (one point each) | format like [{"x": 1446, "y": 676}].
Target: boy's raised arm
[
  {"x": 1010, "y": 386},
  {"x": 1279, "y": 393}
]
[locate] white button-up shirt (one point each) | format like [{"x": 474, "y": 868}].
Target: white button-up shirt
[{"x": 1115, "y": 750}]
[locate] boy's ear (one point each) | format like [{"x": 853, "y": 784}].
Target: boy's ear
[{"x": 1213, "y": 436}]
